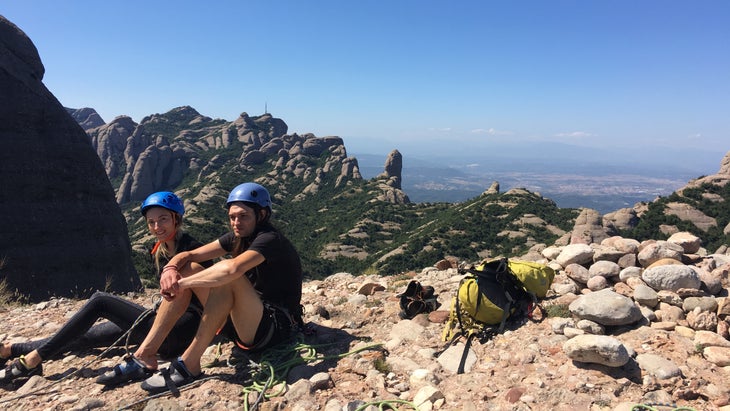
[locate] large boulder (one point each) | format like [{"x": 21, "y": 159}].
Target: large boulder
[
  {"x": 110, "y": 141},
  {"x": 589, "y": 228},
  {"x": 622, "y": 219},
  {"x": 393, "y": 168},
  {"x": 61, "y": 230},
  {"x": 606, "y": 307}
]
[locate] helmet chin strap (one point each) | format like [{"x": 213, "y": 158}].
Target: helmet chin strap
[{"x": 159, "y": 242}]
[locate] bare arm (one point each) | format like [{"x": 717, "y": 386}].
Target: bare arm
[
  {"x": 218, "y": 274},
  {"x": 171, "y": 272},
  {"x": 203, "y": 253}
]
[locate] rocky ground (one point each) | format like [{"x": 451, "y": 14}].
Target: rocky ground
[{"x": 372, "y": 356}]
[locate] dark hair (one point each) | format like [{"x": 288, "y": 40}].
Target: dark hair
[{"x": 241, "y": 244}]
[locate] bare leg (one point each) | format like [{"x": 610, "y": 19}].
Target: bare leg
[
  {"x": 242, "y": 302},
  {"x": 5, "y": 351},
  {"x": 167, "y": 315},
  {"x": 32, "y": 359}
]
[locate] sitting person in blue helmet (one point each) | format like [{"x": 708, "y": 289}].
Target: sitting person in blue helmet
[
  {"x": 255, "y": 295},
  {"x": 168, "y": 332}
]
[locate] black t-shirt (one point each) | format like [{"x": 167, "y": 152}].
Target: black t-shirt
[
  {"x": 279, "y": 278},
  {"x": 186, "y": 243}
]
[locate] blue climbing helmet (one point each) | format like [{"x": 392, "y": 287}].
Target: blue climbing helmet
[
  {"x": 164, "y": 199},
  {"x": 250, "y": 193}
]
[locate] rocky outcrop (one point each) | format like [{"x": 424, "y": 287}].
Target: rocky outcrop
[
  {"x": 350, "y": 171},
  {"x": 147, "y": 157},
  {"x": 110, "y": 141},
  {"x": 390, "y": 180},
  {"x": 59, "y": 224},
  {"x": 589, "y": 228},
  {"x": 393, "y": 169},
  {"x": 493, "y": 188},
  {"x": 153, "y": 162},
  {"x": 622, "y": 219},
  {"x": 686, "y": 212},
  {"x": 87, "y": 118},
  {"x": 721, "y": 178}
]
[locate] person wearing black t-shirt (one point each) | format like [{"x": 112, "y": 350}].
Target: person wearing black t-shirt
[{"x": 255, "y": 295}]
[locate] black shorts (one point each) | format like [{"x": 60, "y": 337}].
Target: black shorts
[{"x": 276, "y": 325}]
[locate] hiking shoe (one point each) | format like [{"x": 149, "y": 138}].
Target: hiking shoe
[
  {"x": 17, "y": 369},
  {"x": 412, "y": 309},
  {"x": 427, "y": 292},
  {"x": 412, "y": 289},
  {"x": 432, "y": 304},
  {"x": 130, "y": 370},
  {"x": 170, "y": 378}
]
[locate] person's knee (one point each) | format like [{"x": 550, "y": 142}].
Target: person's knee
[
  {"x": 190, "y": 268},
  {"x": 99, "y": 298},
  {"x": 242, "y": 286},
  {"x": 179, "y": 303},
  {"x": 202, "y": 294},
  {"x": 98, "y": 294}
]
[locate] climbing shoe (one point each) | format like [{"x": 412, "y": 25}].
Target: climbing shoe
[{"x": 18, "y": 369}]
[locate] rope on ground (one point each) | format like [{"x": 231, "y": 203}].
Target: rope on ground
[
  {"x": 166, "y": 393},
  {"x": 390, "y": 404},
  {"x": 50, "y": 387},
  {"x": 275, "y": 364},
  {"x": 660, "y": 407},
  {"x": 271, "y": 370}
]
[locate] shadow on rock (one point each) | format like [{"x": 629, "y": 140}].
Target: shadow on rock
[{"x": 630, "y": 370}]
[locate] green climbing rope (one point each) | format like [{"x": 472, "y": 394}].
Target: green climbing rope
[
  {"x": 386, "y": 404},
  {"x": 663, "y": 407},
  {"x": 275, "y": 363}
]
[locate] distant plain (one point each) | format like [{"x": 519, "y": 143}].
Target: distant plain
[{"x": 605, "y": 184}]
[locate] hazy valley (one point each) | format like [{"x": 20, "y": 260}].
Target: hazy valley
[{"x": 600, "y": 187}]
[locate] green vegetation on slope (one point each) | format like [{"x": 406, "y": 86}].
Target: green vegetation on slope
[
  {"x": 710, "y": 199},
  {"x": 346, "y": 227}
]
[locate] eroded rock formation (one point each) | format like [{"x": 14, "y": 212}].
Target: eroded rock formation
[{"x": 61, "y": 231}]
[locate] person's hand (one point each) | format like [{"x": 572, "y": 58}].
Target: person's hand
[{"x": 168, "y": 282}]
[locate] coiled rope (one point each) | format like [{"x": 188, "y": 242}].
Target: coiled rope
[
  {"x": 270, "y": 371},
  {"x": 275, "y": 363},
  {"x": 386, "y": 404}
]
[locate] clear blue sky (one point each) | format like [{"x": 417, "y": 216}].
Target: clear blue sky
[{"x": 625, "y": 73}]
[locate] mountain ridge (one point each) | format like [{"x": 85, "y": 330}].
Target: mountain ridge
[{"x": 340, "y": 220}]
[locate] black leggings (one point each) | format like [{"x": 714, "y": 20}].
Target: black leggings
[{"x": 80, "y": 331}]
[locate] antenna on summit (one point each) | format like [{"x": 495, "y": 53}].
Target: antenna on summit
[{"x": 266, "y": 107}]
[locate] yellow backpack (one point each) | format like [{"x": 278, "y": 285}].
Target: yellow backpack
[{"x": 490, "y": 294}]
